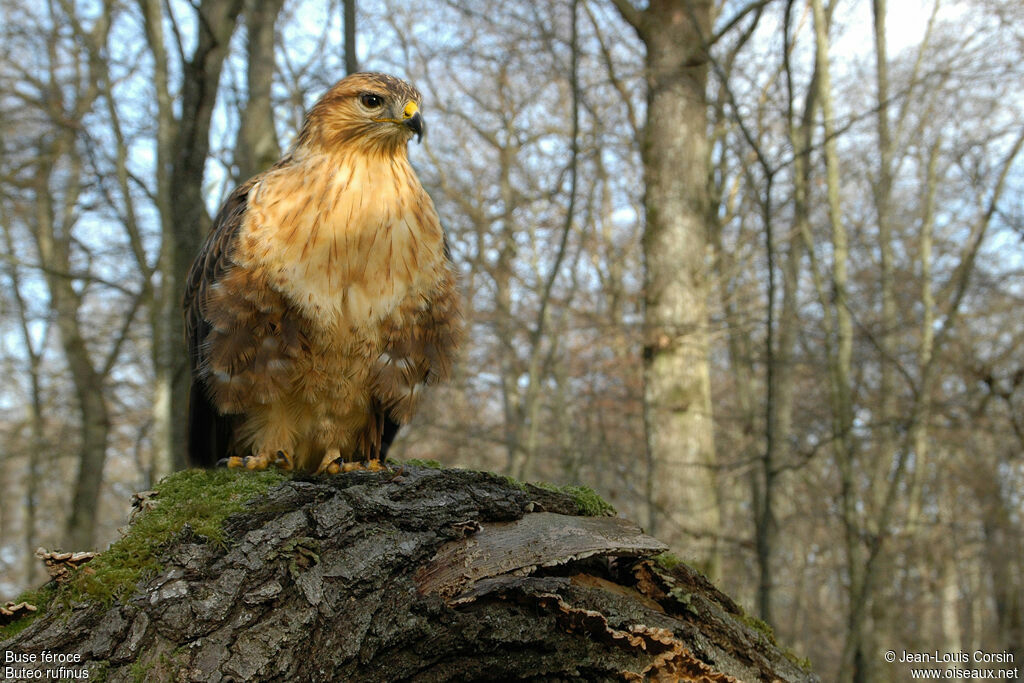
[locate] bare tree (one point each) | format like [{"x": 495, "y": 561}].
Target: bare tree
[
  {"x": 37, "y": 442},
  {"x": 351, "y": 58},
  {"x": 257, "y": 147},
  {"x": 182, "y": 148},
  {"x": 677, "y": 395}
]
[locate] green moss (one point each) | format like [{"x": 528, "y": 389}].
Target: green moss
[
  {"x": 589, "y": 503},
  {"x": 684, "y": 599},
  {"x": 802, "y": 662},
  {"x": 769, "y": 633},
  {"x": 98, "y": 672},
  {"x": 139, "y": 670},
  {"x": 668, "y": 561},
  {"x": 40, "y": 598},
  {"x": 416, "y": 462},
  {"x": 202, "y": 499},
  {"x": 158, "y": 665},
  {"x": 514, "y": 483},
  {"x": 15, "y": 627},
  {"x": 587, "y": 500},
  {"x": 760, "y": 625}
]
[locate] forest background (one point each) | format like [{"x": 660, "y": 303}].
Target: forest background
[{"x": 752, "y": 269}]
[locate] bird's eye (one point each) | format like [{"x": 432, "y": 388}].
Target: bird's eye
[{"x": 371, "y": 101}]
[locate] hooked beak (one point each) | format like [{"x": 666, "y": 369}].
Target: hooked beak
[{"x": 413, "y": 120}]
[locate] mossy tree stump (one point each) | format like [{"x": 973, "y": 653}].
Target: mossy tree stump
[{"x": 416, "y": 574}]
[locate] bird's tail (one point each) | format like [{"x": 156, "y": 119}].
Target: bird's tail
[{"x": 209, "y": 434}]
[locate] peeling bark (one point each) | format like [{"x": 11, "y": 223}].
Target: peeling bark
[{"x": 419, "y": 574}]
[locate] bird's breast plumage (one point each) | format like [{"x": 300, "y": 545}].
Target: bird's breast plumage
[{"x": 346, "y": 241}]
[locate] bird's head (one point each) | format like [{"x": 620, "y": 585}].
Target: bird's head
[{"x": 372, "y": 111}]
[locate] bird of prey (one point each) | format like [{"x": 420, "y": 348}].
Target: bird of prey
[{"x": 324, "y": 298}]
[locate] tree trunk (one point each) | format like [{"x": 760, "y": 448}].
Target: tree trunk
[
  {"x": 257, "y": 147},
  {"x": 418, "y": 574},
  {"x": 54, "y": 240},
  {"x": 840, "y": 329},
  {"x": 351, "y": 58},
  {"x": 677, "y": 388},
  {"x": 1001, "y": 554},
  {"x": 189, "y": 219},
  {"x": 182, "y": 148},
  {"x": 37, "y": 444}
]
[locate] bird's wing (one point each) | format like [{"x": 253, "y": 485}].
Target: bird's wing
[
  {"x": 210, "y": 266},
  {"x": 210, "y": 434},
  {"x": 419, "y": 350}
]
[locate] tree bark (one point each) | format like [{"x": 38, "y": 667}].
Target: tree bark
[
  {"x": 34, "y": 350},
  {"x": 840, "y": 328},
  {"x": 182, "y": 148},
  {"x": 257, "y": 147},
  {"x": 677, "y": 388},
  {"x": 418, "y": 574},
  {"x": 53, "y": 235},
  {"x": 351, "y": 58}
]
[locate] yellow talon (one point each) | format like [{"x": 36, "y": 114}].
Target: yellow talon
[
  {"x": 329, "y": 463},
  {"x": 260, "y": 461},
  {"x": 284, "y": 461},
  {"x": 369, "y": 465},
  {"x": 333, "y": 463}
]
